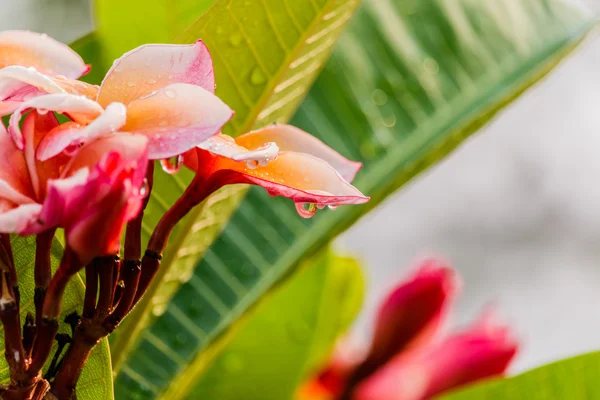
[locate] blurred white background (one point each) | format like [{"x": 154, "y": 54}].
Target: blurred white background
[{"x": 516, "y": 208}]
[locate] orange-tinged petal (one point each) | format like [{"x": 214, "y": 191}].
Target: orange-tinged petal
[
  {"x": 290, "y": 138},
  {"x": 176, "y": 118},
  {"x": 37, "y": 50},
  {"x": 15, "y": 185},
  {"x": 153, "y": 66}
]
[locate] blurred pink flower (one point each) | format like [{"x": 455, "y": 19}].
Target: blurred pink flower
[{"x": 406, "y": 360}]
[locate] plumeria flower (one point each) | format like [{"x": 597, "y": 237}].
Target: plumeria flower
[
  {"x": 164, "y": 92},
  {"x": 408, "y": 360},
  {"x": 285, "y": 160},
  {"x": 91, "y": 194},
  {"x": 33, "y": 64}
]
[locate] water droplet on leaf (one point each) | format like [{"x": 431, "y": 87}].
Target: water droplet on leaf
[
  {"x": 235, "y": 39},
  {"x": 257, "y": 77},
  {"x": 144, "y": 188}
]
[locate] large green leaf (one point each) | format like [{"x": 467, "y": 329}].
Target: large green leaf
[
  {"x": 576, "y": 378},
  {"x": 274, "y": 347},
  {"x": 96, "y": 381},
  {"x": 406, "y": 84},
  {"x": 266, "y": 54}
]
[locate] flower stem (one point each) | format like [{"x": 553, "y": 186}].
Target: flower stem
[{"x": 43, "y": 271}]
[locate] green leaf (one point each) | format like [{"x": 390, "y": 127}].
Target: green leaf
[
  {"x": 96, "y": 381},
  {"x": 272, "y": 350},
  {"x": 266, "y": 55},
  {"x": 408, "y": 82},
  {"x": 574, "y": 379}
]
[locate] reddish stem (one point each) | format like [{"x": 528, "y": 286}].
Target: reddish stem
[
  {"x": 130, "y": 274},
  {"x": 91, "y": 290},
  {"x": 43, "y": 271},
  {"x": 133, "y": 234},
  {"x": 13, "y": 344}
]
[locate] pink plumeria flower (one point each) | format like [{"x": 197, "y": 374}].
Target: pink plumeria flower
[
  {"x": 32, "y": 64},
  {"x": 91, "y": 194},
  {"x": 284, "y": 160},
  {"x": 164, "y": 92},
  {"x": 407, "y": 359}
]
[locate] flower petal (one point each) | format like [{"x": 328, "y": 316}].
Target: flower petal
[
  {"x": 79, "y": 108},
  {"x": 76, "y": 135},
  {"x": 35, "y": 128},
  {"x": 301, "y": 177},
  {"x": 15, "y": 184},
  {"x": 176, "y": 119},
  {"x": 37, "y": 50},
  {"x": 290, "y": 138},
  {"x": 153, "y": 66},
  {"x": 19, "y": 219},
  {"x": 482, "y": 351},
  {"x": 15, "y": 77}
]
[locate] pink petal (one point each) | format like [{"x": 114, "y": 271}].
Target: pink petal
[
  {"x": 76, "y": 135},
  {"x": 176, "y": 119},
  {"x": 8, "y": 107},
  {"x": 153, "y": 66},
  {"x": 35, "y": 128},
  {"x": 14, "y": 176},
  {"x": 79, "y": 108},
  {"x": 485, "y": 350},
  {"x": 36, "y": 50},
  {"x": 301, "y": 177},
  {"x": 19, "y": 219},
  {"x": 15, "y": 77},
  {"x": 130, "y": 147},
  {"x": 290, "y": 138},
  {"x": 412, "y": 313}
]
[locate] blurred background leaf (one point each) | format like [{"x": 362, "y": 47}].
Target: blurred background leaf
[
  {"x": 96, "y": 382},
  {"x": 258, "y": 48},
  {"x": 406, "y": 84},
  {"x": 574, "y": 379},
  {"x": 280, "y": 341}
]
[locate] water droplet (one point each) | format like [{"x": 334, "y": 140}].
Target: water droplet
[
  {"x": 159, "y": 309},
  {"x": 118, "y": 68},
  {"x": 232, "y": 363},
  {"x": 379, "y": 97},
  {"x": 151, "y": 81},
  {"x": 235, "y": 39},
  {"x": 252, "y": 164},
  {"x": 306, "y": 210},
  {"x": 389, "y": 122},
  {"x": 431, "y": 66},
  {"x": 172, "y": 165},
  {"x": 42, "y": 111},
  {"x": 144, "y": 188},
  {"x": 257, "y": 77},
  {"x": 170, "y": 93},
  {"x": 299, "y": 331},
  {"x": 332, "y": 207}
]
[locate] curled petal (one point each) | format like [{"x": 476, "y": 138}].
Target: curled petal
[
  {"x": 79, "y": 108},
  {"x": 75, "y": 135},
  {"x": 14, "y": 178},
  {"x": 153, "y": 66},
  {"x": 16, "y": 77},
  {"x": 35, "y": 128},
  {"x": 19, "y": 219},
  {"x": 290, "y": 138},
  {"x": 483, "y": 351},
  {"x": 176, "y": 119},
  {"x": 37, "y": 50},
  {"x": 300, "y": 177}
]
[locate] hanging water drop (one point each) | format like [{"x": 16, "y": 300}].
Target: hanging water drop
[
  {"x": 172, "y": 165},
  {"x": 332, "y": 207},
  {"x": 306, "y": 210},
  {"x": 144, "y": 188},
  {"x": 42, "y": 111}
]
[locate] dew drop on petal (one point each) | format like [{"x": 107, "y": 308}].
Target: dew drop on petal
[
  {"x": 170, "y": 93},
  {"x": 332, "y": 207},
  {"x": 252, "y": 164},
  {"x": 306, "y": 210},
  {"x": 42, "y": 111},
  {"x": 131, "y": 84},
  {"x": 151, "y": 81},
  {"x": 172, "y": 165}
]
